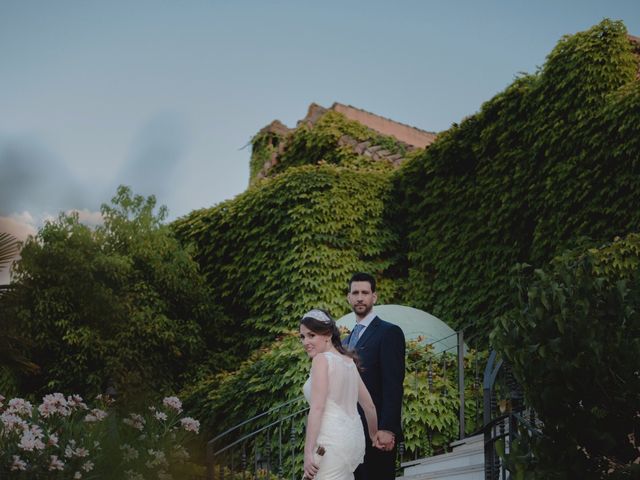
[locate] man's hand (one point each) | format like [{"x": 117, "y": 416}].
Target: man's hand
[{"x": 385, "y": 440}]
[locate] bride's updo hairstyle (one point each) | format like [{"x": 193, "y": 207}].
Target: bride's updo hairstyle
[{"x": 320, "y": 322}]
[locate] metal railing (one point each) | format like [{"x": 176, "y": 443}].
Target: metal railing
[
  {"x": 261, "y": 446},
  {"x": 505, "y": 417},
  {"x": 443, "y": 374}
]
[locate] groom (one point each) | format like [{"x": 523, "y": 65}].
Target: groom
[{"x": 381, "y": 348}]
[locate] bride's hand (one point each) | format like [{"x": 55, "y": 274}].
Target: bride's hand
[{"x": 310, "y": 467}]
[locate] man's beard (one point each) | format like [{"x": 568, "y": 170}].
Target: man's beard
[{"x": 364, "y": 313}]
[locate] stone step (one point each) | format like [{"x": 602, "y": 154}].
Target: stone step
[
  {"x": 464, "y": 462},
  {"x": 471, "y": 472}
]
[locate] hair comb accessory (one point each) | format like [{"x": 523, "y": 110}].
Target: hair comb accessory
[{"x": 317, "y": 315}]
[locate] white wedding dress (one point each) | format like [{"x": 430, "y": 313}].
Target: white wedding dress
[{"x": 341, "y": 433}]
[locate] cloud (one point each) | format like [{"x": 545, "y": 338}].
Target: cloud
[
  {"x": 19, "y": 225},
  {"x": 33, "y": 179}
]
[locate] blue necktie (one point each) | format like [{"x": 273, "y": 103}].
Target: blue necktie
[{"x": 355, "y": 336}]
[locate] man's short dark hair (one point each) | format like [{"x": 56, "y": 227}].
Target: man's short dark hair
[{"x": 363, "y": 277}]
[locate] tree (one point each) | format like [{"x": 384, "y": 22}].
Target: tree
[
  {"x": 121, "y": 304},
  {"x": 574, "y": 345},
  {"x": 11, "y": 341}
]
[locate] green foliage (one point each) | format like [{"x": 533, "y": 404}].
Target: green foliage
[
  {"x": 552, "y": 159},
  {"x": 275, "y": 375},
  {"x": 263, "y": 146},
  {"x": 291, "y": 243},
  {"x": 320, "y": 144},
  {"x": 574, "y": 346},
  {"x": 123, "y": 303},
  {"x": 431, "y": 399}
]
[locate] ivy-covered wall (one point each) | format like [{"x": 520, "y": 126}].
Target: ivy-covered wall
[
  {"x": 549, "y": 162},
  {"x": 320, "y": 141},
  {"x": 291, "y": 243}
]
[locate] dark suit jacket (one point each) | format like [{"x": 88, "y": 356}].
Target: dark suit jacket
[{"x": 381, "y": 349}]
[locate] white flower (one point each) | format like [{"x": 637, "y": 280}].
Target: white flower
[
  {"x": 131, "y": 475},
  {"x": 136, "y": 421},
  {"x": 129, "y": 453},
  {"x": 81, "y": 452},
  {"x": 160, "y": 416},
  {"x": 173, "y": 402},
  {"x": 87, "y": 466},
  {"x": 190, "y": 424},
  {"x": 77, "y": 476},
  {"x": 31, "y": 439},
  {"x": 18, "y": 464},
  {"x": 54, "y": 403},
  {"x": 53, "y": 440},
  {"x": 55, "y": 463},
  {"x": 158, "y": 459},
  {"x": 71, "y": 450},
  {"x": 180, "y": 453},
  {"x": 75, "y": 402},
  {"x": 12, "y": 421},
  {"x": 96, "y": 415},
  {"x": 20, "y": 406}
]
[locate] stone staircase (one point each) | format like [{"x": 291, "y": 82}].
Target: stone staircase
[{"x": 464, "y": 462}]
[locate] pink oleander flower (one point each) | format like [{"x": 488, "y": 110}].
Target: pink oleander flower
[
  {"x": 173, "y": 402},
  {"x": 54, "y": 403},
  {"x": 71, "y": 450},
  {"x": 53, "y": 440},
  {"x": 18, "y": 464},
  {"x": 31, "y": 439},
  {"x": 135, "y": 420},
  {"x": 19, "y": 406},
  {"x": 190, "y": 424},
  {"x": 96, "y": 415},
  {"x": 75, "y": 402},
  {"x": 55, "y": 463},
  {"x": 12, "y": 421}
]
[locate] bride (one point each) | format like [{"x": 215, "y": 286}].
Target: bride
[{"x": 334, "y": 443}]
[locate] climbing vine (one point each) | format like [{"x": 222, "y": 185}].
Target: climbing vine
[
  {"x": 552, "y": 160},
  {"x": 291, "y": 243}
]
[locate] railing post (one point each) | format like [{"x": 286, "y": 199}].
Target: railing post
[{"x": 461, "y": 380}]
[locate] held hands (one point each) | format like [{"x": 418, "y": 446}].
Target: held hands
[
  {"x": 310, "y": 466},
  {"x": 384, "y": 440}
]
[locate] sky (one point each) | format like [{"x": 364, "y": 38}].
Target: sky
[{"x": 164, "y": 96}]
